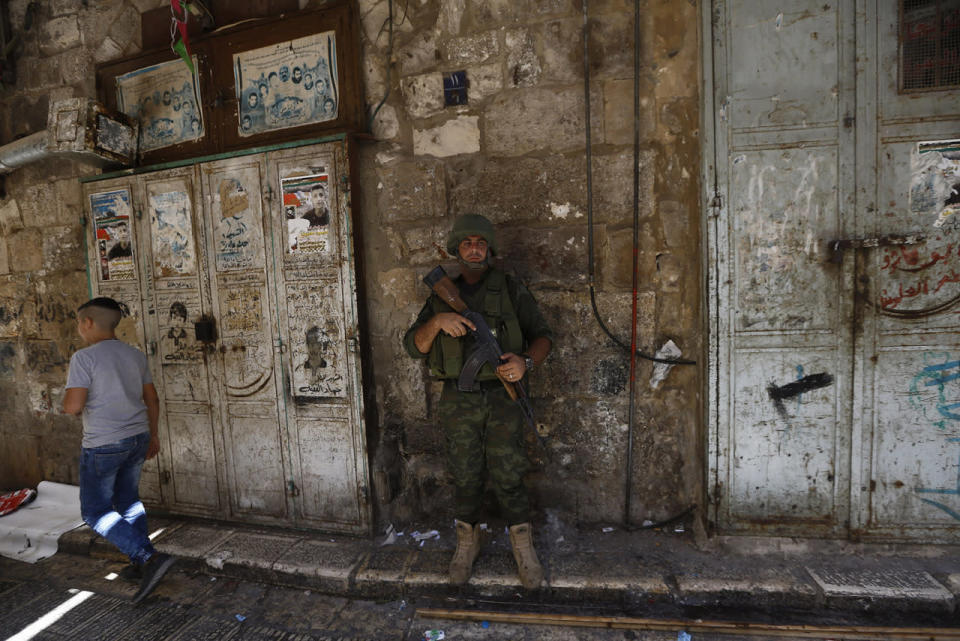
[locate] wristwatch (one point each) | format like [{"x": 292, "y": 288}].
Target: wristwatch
[{"x": 528, "y": 361}]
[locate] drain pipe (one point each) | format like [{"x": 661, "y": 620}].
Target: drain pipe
[
  {"x": 77, "y": 128},
  {"x": 23, "y": 152}
]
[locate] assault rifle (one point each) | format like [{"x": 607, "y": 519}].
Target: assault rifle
[{"x": 487, "y": 349}]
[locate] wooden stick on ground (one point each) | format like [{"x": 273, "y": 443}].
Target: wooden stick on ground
[{"x": 853, "y": 632}]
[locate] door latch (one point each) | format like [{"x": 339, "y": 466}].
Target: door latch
[{"x": 837, "y": 247}]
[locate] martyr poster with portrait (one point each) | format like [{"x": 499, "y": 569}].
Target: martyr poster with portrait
[
  {"x": 165, "y": 98},
  {"x": 306, "y": 206},
  {"x": 111, "y": 219},
  {"x": 288, "y": 84}
]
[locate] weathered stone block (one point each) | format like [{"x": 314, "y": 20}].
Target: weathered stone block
[
  {"x": 423, "y": 94},
  {"x": 451, "y": 14},
  {"x": 146, "y": 5},
  {"x": 613, "y": 186},
  {"x": 373, "y": 67},
  {"x": 108, "y": 50},
  {"x": 11, "y": 306},
  {"x": 484, "y": 81},
  {"x": 45, "y": 361},
  {"x": 8, "y": 360},
  {"x": 675, "y": 219},
  {"x": 615, "y": 264},
  {"x": 63, "y": 7},
  {"x": 470, "y": 50},
  {"x": 70, "y": 199},
  {"x": 490, "y": 14},
  {"x": 420, "y": 54},
  {"x": 618, "y": 110},
  {"x": 386, "y": 125},
  {"x": 411, "y": 191},
  {"x": 553, "y": 7},
  {"x": 680, "y": 116},
  {"x": 76, "y": 67},
  {"x": 534, "y": 119},
  {"x": 523, "y": 65},
  {"x": 401, "y": 287},
  {"x": 426, "y": 245},
  {"x": 675, "y": 50},
  {"x": 611, "y": 47},
  {"x": 63, "y": 249},
  {"x": 670, "y": 272},
  {"x": 520, "y": 189},
  {"x": 4, "y": 257},
  {"x": 39, "y": 206},
  {"x": 59, "y": 35},
  {"x": 11, "y": 219},
  {"x": 25, "y": 250},
  {"x": 454, "y": 137},
  {"x": 563, "y": 51},
  {"x": 97, "y": 21},
  {"x": 125, "y": 29},
  {"x": 547, "y": 256}
]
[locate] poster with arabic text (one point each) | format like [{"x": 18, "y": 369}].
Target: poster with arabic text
[{"x": 165, "y": 98}]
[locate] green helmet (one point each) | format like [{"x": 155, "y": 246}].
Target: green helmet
[{"x": 471, "y": 225}]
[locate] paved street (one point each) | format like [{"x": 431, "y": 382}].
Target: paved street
[{"x": 194, "y": 606}]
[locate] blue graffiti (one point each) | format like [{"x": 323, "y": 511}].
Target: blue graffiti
[
  {"x": 939, "y": 374},
  {"x": 955, "y": 491}
]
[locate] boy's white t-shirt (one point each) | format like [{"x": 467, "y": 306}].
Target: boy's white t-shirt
[{"x": 113, "y": 374}]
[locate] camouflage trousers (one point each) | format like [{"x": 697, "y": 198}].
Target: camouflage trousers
[{"x": 484, "y": 432}]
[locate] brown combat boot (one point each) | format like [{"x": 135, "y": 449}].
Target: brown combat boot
[
  {"x": 468, "y": 547},
  {"x": 531, "y": 573}
]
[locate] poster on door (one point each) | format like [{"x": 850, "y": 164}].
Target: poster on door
[
  {"x": 306, "y": 206},
  {"x": 165, "y": 98},
  {"x": 173, "y": 251},
  {"x": 318, "y": 358},
  {"x": 288, "y": 84},
  {"x": 111, "y": 224}
]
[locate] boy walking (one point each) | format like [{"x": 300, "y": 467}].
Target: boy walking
[{"x": 109, "y": 383}]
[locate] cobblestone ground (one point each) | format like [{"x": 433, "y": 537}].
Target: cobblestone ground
[{"x": 189, "y": 606}]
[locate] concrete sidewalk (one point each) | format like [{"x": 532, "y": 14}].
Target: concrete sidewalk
[{"x": 605, "y": 571}]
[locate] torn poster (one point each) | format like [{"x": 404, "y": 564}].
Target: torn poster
[
  {"x": 173, "y": 252},
  {"x": 165, "y": 98}
]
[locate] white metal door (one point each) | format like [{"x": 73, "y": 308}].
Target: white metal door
[
  {"x": 781, "y": 340},
  {"x": 816, "y": 142},
  {"x": 261, "y": 403},
  {"x": 910, "y": 358}
]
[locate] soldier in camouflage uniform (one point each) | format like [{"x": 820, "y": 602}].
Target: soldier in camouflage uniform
[{"x": 484, "y": 428}]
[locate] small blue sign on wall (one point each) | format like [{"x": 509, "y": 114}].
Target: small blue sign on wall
[{"x": 455, "y": 88}]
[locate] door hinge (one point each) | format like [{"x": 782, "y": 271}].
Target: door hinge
[
  {"x": 269, "y": 193},
  {"x": 165, "y": 477},
  {"x": 153, "y": 348},
  {"x": 292, "y": 489},
  {"x": 139, "y": 213},
  {"x": 364, "y": 494}
]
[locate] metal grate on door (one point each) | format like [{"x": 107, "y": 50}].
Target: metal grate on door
[{"x": 929, "y": 44}]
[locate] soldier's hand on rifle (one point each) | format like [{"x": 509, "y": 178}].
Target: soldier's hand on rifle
[
  {"x": 513, "y": 367},
  {"x": 453, "y": 324}
]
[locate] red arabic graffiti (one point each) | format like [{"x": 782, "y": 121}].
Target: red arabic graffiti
[
  {"x": 923, "y": 286},
  {"x": 908, "y": 260}
]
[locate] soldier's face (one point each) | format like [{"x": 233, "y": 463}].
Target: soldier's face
[{"x": 473, "y": 249}]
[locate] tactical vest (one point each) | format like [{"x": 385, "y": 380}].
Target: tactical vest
[{"x": 446, "y": 355}]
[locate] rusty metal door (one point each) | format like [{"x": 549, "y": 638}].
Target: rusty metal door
[
  {"x": 834, "y": 273},
  {"x": 245, "y": 274},
  {"x": 780, "y": 183}
]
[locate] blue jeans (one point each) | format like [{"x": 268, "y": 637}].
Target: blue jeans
[{"x": 110, "y": 498}]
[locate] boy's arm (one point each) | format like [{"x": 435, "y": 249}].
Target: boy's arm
[
  {"x": 74, "y": 399},
  {"x": 152, "y": 401}
]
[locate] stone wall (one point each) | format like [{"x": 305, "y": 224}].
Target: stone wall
[{"x": 515, "y": 153}]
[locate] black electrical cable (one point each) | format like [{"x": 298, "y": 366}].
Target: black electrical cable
[{"x": 590, "y": 253}]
